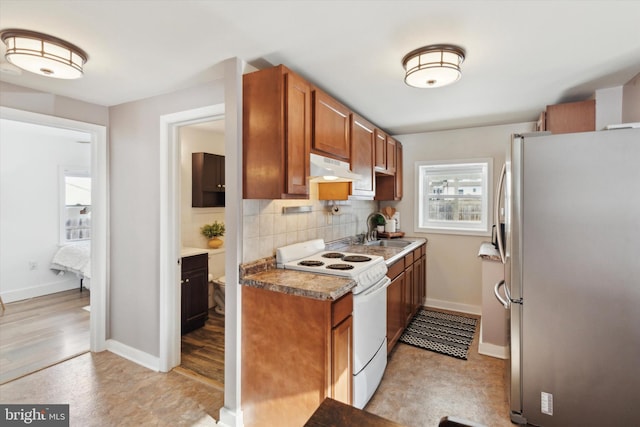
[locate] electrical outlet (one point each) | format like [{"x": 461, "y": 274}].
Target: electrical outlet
[{"x": 33, "y": 265}]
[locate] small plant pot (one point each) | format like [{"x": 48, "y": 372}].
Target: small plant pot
[
  {"x": 380, "y": 228},
  {"x": 215, "y": 243}
]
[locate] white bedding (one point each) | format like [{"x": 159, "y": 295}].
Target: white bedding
[{"x": 74, "y": 257}]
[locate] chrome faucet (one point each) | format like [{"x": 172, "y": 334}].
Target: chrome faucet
[{"x": 372, "y": 233}]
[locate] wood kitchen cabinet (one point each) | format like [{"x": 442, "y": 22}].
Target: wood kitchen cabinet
[
  {"x": 362, "y": 157},
  {"x": 331, "y": 127},
  {"x": 296, "y": 351},
  {"x": 194, "y": 285},
  {"x": 385, "y": 160},
  {"x": 569, "y": 117},
  {"x": 406, "y": 293},
  {"x": 389, "y": 187},
  {"x": 396, "y": 309},
  {"x": 207, "y": 180},
  {"x": 277, "y": 126}
]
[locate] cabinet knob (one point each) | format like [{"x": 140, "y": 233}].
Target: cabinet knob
[
  {"x": 187, "y": 280},
  {"x": 219, "y": 185}
]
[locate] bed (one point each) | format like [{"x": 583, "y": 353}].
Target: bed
[{"x": 75, "y": 258}]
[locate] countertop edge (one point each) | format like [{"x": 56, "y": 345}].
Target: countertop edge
[{"x": 255, "y": 281}]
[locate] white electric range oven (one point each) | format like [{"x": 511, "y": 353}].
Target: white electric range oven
[{"x": 369, "y": 305}]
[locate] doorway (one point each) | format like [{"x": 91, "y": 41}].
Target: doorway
[
  {"x": 49, "y": 283},
  {"x": 201, "y": 203}
]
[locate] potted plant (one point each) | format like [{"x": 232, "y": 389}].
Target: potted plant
[
  {"x": 212, "y": 232},
  {"x": 380, "y": 222}
]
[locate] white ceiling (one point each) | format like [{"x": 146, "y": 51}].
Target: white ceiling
[{"x": 521, "y": 55}]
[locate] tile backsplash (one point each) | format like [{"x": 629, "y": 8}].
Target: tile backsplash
[{"x": 267, "y": 228}]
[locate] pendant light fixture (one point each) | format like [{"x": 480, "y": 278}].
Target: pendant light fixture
[
  {"x": 433, "y": 66},
  {"x": 43, "y": 54}
]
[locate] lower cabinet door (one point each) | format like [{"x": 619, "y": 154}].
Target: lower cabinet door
[
  {"x": 396, "y": 314},
  {"x": 342, "y": 361}
]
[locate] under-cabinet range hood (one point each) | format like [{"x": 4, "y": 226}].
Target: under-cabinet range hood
[{"x": 326, "y": 169}]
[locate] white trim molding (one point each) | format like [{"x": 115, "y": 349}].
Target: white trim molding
[
  {"x": 133, "y": 354},
  {"x": 493, "y": 350},
  {"x": 454, "y": 306},
  {"x": 99, "y": 213}
]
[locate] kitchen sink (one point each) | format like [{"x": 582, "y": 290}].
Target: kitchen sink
[{"x": 389, "y": 243}]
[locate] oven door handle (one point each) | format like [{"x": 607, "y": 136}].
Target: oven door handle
[{"x": 382, "y": 284}]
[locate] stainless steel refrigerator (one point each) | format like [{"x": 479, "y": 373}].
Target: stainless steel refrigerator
[{"x": 572, "y": 278}]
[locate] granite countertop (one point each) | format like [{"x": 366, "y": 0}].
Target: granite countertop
[
  {"x": 389, "y": 253},
  {"x": 316, "y": 286},
  {"x": 263, "y": 274}
]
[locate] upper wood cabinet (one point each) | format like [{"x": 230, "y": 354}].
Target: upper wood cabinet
[
  {"x": 362, "y": 157},
  {"x": 385, "y": 153},
  {"x": 331, "y": 127},
  {"x": 276, "y": 134},
  {"x": 207, "y": 180},
  {"x": 569, "y": 117},
  {"x": 389, "y": 187}
]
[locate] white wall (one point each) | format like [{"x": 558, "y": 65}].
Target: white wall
[
  {"x": 454, "y": 273},
  {"x": 194, "y": 140},
  {"x": 134, "y": 207},
  {"x": 30, "y": 158},
  {"x": 631, "y": 100}
]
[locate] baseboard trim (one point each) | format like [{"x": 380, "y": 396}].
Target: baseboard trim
[
  {"x": 134, "y": 355},
  {"x": 493, "y": 350},
  {"x": 229, "y": 418},
  {"x": 41, "y": 290},
  {"x": 454, "y": 306}
]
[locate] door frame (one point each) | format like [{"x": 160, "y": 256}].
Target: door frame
[
  {"x": 170, "y": 239},
  {"x": 99, "y": 213}
]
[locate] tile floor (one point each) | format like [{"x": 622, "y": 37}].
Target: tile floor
[{"x": 420, "y": 387}]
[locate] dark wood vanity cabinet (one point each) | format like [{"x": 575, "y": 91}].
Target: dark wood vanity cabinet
[
  {"x": 207, "y": 180},
  {"x": 195, "y": 291}
]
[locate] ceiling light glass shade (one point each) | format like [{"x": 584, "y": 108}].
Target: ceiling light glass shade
[
  {"x": 43, "y": 54},
  {"x": 433, "y": 66}
]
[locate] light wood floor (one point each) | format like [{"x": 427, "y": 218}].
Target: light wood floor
[
  {"x": 203, "y": 352},
  {"x": 39, "y": 332}
]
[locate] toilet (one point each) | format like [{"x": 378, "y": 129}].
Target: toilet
[{"x": 218, "y": 294}]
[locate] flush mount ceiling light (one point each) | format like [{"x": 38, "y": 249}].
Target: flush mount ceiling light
[
  {"x": 433, "y": 66},
  {"x": 43, "y": 54}
]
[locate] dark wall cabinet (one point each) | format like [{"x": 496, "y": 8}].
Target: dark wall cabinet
[
  {"x": 195, "y": 291},
  {"x": 207, "y": 180}
]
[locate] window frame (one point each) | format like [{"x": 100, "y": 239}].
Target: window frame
[
  {"x": 64, "y": 172},
  {"x": 455, "y": 227}
]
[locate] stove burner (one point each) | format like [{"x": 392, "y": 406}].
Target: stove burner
[
  {"x": 340, "y": 267},
  {"x": 356, "y": 258},
  {"x": 332, "y": 255},
  {"x": 311, "y": 263}
]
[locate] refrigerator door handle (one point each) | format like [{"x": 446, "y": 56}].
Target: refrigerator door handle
[
  {"x": 503, "y": 173},
  {"x": 496, "y": 290}
]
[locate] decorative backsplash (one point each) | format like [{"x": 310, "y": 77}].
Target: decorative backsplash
[{"x": 267, "y": 227}]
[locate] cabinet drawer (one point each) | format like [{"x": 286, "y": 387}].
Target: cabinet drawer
[
  {"x": 195, "y": 262},
  {"x": 408, "y": 259},
  {"x": 395, "y": 269},
  {"x": 341, "y": 309},
  {"x": 417, "y": 253}
]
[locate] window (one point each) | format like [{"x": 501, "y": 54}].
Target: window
[
  {"x": 454, "y": 197},
  {"x": 76, "y": 205}
]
